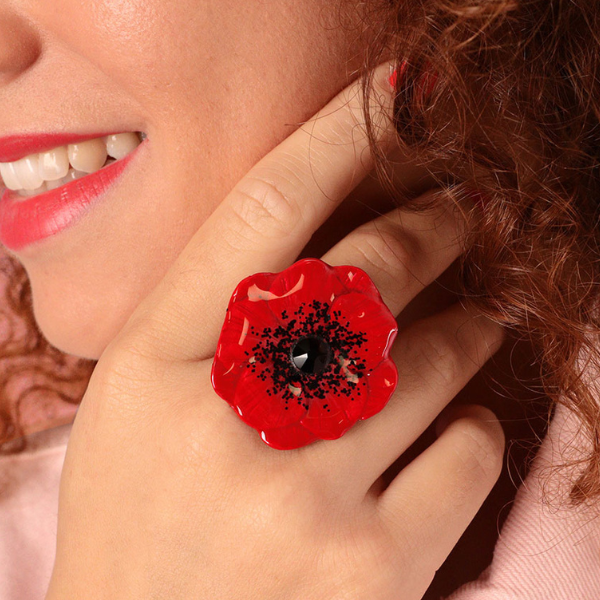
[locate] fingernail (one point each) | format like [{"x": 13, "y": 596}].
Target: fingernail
[
  {"x": 396, "y": 72},
  {"x": 425, "y": 84}
]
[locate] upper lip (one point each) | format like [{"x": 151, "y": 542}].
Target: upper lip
[{"x": 15, "y": 147}]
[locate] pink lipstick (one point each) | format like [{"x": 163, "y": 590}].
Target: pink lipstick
[
  {"x": 26, "y": 220},
  {"x": 15, "y": 147}
]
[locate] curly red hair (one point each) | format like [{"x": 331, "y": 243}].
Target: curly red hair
[{"x": 504, "y": 95}]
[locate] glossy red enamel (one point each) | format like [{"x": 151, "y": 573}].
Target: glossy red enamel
[{"x": 294, "y": 393}]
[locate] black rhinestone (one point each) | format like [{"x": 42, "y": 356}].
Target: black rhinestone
[{"x": 311, "y": 355}]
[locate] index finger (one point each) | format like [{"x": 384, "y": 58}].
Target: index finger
[{"x": 263, "y": 223}]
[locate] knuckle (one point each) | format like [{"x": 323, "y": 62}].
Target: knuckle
[
  {"x": 437, "y": 358},
  {"x": 384, "y": 251},
  {"x": 265, "y": 208},
  {"x": 116, "y": 386},
  {"x": 480, "y": 447},
  {"x": 133, "y": 346}
]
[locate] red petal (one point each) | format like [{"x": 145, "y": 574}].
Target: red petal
[
  {"x": 288, "y": 438},
  {"x": 247, "y": 288},
  {"x": 360, "y": 313},
  {"x": 356, "y": 280},
  {"x": 261, "y": 410},
  {"x": 307, "y": 279},
  {"x": 382, "y": 383},
  {"x": 225, "y": 377},
  {"x": 244, "y": 324},
  {"x": 328, "y": 418},
  {"x": 355, "y": 405},
  {"x": 235, "y": 344}
]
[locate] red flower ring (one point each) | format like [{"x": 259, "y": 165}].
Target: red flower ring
[{"x": 304, "y": 354}]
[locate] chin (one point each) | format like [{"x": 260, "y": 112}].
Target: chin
[
  {"x": 69, "y": 341},
  {"x": 80, "y": 334}
]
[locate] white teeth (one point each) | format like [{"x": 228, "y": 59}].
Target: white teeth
[
  {"x": 120, "y": 145},
  {"x": 87, "y": 156},
  {"x": 28, "y": 172},
  {"x": 51, "y": 185},
  {"x": 48, "y": 170},
  {"x": 54, "y": 164},
  {"x": 39, "y": 190},
  {"x": 11, "y": 181},
  {"x": 73, "y": 174}
]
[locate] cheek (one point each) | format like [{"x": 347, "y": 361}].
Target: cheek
[
  {"x": 204, "y": 50},
  {"x": 77, "y": 324},
  {"x": 136, "y": 44},
  {"x": 207, "y": 81},
  {"x": 82, "y": 301},
  {"x": 217, "y": 83}
]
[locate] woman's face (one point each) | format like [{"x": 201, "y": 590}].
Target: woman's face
[{"x": 215, "y": 84}]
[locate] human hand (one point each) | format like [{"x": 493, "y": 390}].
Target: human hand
[{"x": 166, "y": 493}]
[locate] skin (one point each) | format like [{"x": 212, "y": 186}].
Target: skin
[
  {"x": 207, "y": 83},
  {"x": 210, "y": 511}
]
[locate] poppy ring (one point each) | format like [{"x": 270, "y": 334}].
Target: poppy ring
[{"x": 304, "y": 354}]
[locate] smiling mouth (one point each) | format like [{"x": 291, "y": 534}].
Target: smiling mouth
[{"x": 44, "y": 171}]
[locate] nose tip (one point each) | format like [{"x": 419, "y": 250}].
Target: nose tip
[{"x": 20, "y": 46}]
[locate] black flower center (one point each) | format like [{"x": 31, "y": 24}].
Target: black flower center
[{"x": 311, "y": 354}]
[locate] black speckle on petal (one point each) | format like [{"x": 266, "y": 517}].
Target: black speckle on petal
[{"x": 341, "y": 375}]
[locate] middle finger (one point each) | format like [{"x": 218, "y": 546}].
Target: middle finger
[{"x": 404, "y": 251}]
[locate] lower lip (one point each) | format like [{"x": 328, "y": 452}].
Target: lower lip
[{"x": 24, "y": 221}]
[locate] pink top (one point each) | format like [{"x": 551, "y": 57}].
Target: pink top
[
  {"x": 545, "y": 553},
  {"x": 539, "y": 555}
]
